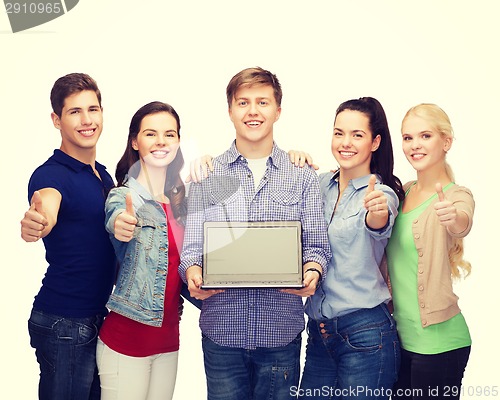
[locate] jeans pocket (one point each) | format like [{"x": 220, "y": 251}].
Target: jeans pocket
[
  {"x": 369, "y": 339},
  {"x": 37, "y": 329},
  {"x": 44, "y": 341},
  {"x": 87, "y": 333},
  {"x": 67, "y": 331}
]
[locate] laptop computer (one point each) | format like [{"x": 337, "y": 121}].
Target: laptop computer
[{"x": 252, "y": 255}]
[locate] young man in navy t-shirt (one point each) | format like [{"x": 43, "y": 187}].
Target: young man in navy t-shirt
[{"x": 67, "y": 195}]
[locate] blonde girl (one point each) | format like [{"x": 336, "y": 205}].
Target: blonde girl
[{"x": 424, "y": 255}]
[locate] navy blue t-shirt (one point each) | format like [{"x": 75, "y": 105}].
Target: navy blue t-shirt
[{"x": 82, "y": 263}]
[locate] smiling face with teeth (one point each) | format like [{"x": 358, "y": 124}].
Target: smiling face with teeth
[
  {"x": 80, "y": 124},
  {"x": 423, "y": 146},
  {"x": 253, "y": 112},
  {"x": 353, "y": 144},
  {"x": 158, "y": 140}
]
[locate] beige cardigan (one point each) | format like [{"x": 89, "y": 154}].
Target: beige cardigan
[{"x": 436, "y": 298}]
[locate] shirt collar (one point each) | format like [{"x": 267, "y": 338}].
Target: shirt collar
[
  {"x": 72, "y": 163},
  {"x": 357, "y": 183},
  {"x": 276, "y": 158},
  {"x": 362, "y": 181},
  {"x": 132, "y": 183}
]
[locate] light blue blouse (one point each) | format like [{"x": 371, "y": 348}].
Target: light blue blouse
[{"x": 353, "y": 280}]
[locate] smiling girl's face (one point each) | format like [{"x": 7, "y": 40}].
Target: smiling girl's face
[
  {"x": 353, "y": 143},
  {"x": 423, "y": 146},
  {"x": 158, "y": 140}
]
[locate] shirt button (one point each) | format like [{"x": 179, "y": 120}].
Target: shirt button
[
  {"x": 422, "y": 305},
  {"x": 417, "y": 236},
  {"x": 323, "y": 330},
  {"x": 421, "y": 288},
  {"x": 420, "y": 253},
  {"x": 415, "y": 222},
  {"x": 424, "y": 322},
  {"x": 420, "y": 271},
  {"x": 322, "y": 325}
]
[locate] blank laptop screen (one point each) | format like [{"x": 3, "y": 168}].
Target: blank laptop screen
[{"x": 252, "y": 254}]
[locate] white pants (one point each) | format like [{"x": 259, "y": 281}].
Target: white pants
[{"x": 136, "y": 378}]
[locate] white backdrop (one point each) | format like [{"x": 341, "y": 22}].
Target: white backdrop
[{"x": 185, "y": 52}]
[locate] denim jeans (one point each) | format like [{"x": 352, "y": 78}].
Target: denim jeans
[
  {"x": 431, "y": 376},
  {"x": 353, "y": 356},
  {"x": 65, "y": 348},
  {"x": 260, "y": 374}
]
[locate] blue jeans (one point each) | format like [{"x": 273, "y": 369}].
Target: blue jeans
[
  {"x": 65, "y": 348},
  {"x": 260, "y": 374},
  {"x": 431, "y": 376},
  {"x": 353, "y": 356}
]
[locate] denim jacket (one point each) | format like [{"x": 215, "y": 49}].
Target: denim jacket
[{"x": 143, "y": 262}]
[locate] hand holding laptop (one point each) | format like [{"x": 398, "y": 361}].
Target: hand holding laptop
[
  {"x": 311, "y": 281},
  {"x": 194, "y": 280}
]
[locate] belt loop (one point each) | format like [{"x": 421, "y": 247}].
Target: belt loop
[{"x": 387, "y": 313}]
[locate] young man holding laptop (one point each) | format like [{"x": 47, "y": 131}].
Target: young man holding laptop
[{"x": 252, "y": 336}]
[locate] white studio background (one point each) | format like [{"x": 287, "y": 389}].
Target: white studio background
[{"x": 184, "y": 53}]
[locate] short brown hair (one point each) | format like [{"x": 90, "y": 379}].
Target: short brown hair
[
  {"x": 250, "y": 77},
  {"x": 68, "y": 85}
]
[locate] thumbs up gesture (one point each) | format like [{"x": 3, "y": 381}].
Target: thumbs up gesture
[
  {"x": 375, "y": 200},
  {"x": 126, "y": 222},
  {"x": 376, "y": 204},
  {"x": 445, "y": 210},
  {"x": 35, "y": 220}
]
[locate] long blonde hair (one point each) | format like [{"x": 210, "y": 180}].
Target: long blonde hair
[{"x": 441, "y": 123}]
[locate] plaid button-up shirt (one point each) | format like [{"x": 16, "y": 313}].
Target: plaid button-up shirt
[{"x": 251, "y": 318}]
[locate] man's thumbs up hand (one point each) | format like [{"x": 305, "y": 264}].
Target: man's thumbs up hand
[{"x": 35, "y": 220}]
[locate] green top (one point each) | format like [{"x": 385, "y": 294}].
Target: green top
[{"x": 402, "y": 260}]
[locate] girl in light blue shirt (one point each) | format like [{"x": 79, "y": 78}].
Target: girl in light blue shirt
[{"x": 353, "y": 348}]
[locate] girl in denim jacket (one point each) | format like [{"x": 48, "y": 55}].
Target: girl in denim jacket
[{"x": 138, "y": 344}]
